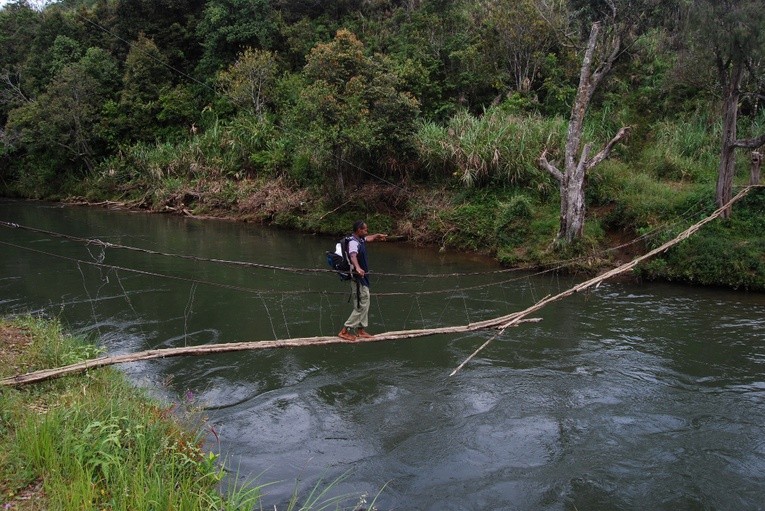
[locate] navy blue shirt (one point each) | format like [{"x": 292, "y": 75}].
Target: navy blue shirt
[{"x": 361, "y": 256}]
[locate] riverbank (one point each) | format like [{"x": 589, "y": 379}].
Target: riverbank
[
  {"x": 629, "y": 214},
  {"x": 94, "y": 441}
]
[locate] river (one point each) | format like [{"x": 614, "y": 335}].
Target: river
[{"x": 630, "y": 396}]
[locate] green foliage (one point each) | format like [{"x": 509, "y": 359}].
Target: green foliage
[
  {"x": 729, "y": 253},
  {"x": 349, "y": 113},
  {"x": 557, "y": 91},
  {"x": 683, "y": 149},
  {"x": 18, "y": 26},
  {"x": 146, "y": 77},
  {"x": 439, "y": 46},
  {"x": 637, "y": 201},
  {"x": 102, "y": 67},
  {"x": 511, "y": 223},
  {"x": 489, "y": 221},
  {"x": 50, "y": 346},
  {"x": 229, "y": 27},
  {"x": 245, "y": 146},
  {"x": 642, "y": 81},
  {"x": 43, "y": 59},
  {"x": 60, "y": 130},
  {"x": 249, "y": 82},
  {"x": 728, "y": 30},
  {"x": 178, "y": 113},
  {"x": 475, "y": 225},
  {"x": 65, "y": 51},
  {"x": 517, "y": 36},
  {"x": 300, "y": 36},
  {"x": 171, "y": 24},
  {"x": 526, "y": 238}
]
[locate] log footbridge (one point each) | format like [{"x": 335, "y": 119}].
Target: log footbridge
[{"x": 500, "y": 324}]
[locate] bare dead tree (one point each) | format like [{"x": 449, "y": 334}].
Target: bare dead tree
[
  {"x": 728, "y": 35},
  {"x": 731, "y": 73},
  {"x": 571, "y": 179}
]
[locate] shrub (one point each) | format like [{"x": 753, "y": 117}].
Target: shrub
[
  {"x": 729, "y": 252},
  {"x": 511, "y": 224}
]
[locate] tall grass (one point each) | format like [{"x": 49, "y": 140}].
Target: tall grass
[
  {"x": 242, "y": 146},
  {"x": 494, "y": 146},
  {"x": 683, "y": 149}
]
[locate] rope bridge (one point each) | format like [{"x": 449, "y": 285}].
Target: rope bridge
[{"x": 500, "y": 324}]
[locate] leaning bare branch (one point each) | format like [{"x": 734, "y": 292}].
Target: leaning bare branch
[
  {"x": 603, "y": 154},
  {"x": 14, "y": 88},
  {"x": 549, "y": 167},
  {"x": 750, "y": 143},
  {"x": 582, "y": 165}
]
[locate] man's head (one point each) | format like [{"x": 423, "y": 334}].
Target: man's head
[{"x": 359, "y": 228}]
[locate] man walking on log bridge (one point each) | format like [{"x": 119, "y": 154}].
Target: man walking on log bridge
[{"x": 357, "y": 251}]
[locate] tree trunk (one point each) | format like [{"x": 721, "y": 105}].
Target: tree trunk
[
  {"x": 754, "y": 178},
  {"x": 727, "y": 167},
  {"x": 572, "y": 208}
]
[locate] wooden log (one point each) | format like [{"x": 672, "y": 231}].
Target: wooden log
[{"x": 209, "y": 349}]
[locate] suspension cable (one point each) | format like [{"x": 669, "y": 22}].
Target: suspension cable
[
  {"x": 270, "y": 291},
  {"x": 106, "y": 244},
  {"x": 555, "y": 265}
]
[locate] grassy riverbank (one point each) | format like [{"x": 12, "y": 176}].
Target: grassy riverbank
[
  {"x": 629, "y": 213},
  {"x": 94, "y": 441}
]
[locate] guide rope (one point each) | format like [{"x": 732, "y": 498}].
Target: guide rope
[
  {"x": 268, "y": 291},
  {"x": 106, "y": 244}
]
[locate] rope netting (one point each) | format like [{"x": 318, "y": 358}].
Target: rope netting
[{"x": 500, "y": 323}]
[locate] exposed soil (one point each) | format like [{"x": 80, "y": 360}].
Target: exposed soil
[
  {"x": 31, "y": 498},
  {"x": 13, "y": 342}
]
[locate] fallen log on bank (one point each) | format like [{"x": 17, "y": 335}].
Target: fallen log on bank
[
  {"x": 501, "y": 324},
  {"x": 47, "y": 374}
]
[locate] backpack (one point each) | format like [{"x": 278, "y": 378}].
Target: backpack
[{"x": 339, "y": 260}]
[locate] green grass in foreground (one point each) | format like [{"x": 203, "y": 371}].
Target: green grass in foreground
[{"x": 93, "y": 441}]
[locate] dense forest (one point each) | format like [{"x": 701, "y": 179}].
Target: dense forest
[{"x": 477, "y": 125}]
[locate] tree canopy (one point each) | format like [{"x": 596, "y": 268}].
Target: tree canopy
[{"x": 328, "y": 87}]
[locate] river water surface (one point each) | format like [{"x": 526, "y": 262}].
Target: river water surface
[{"x": 631, "y": 396}]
